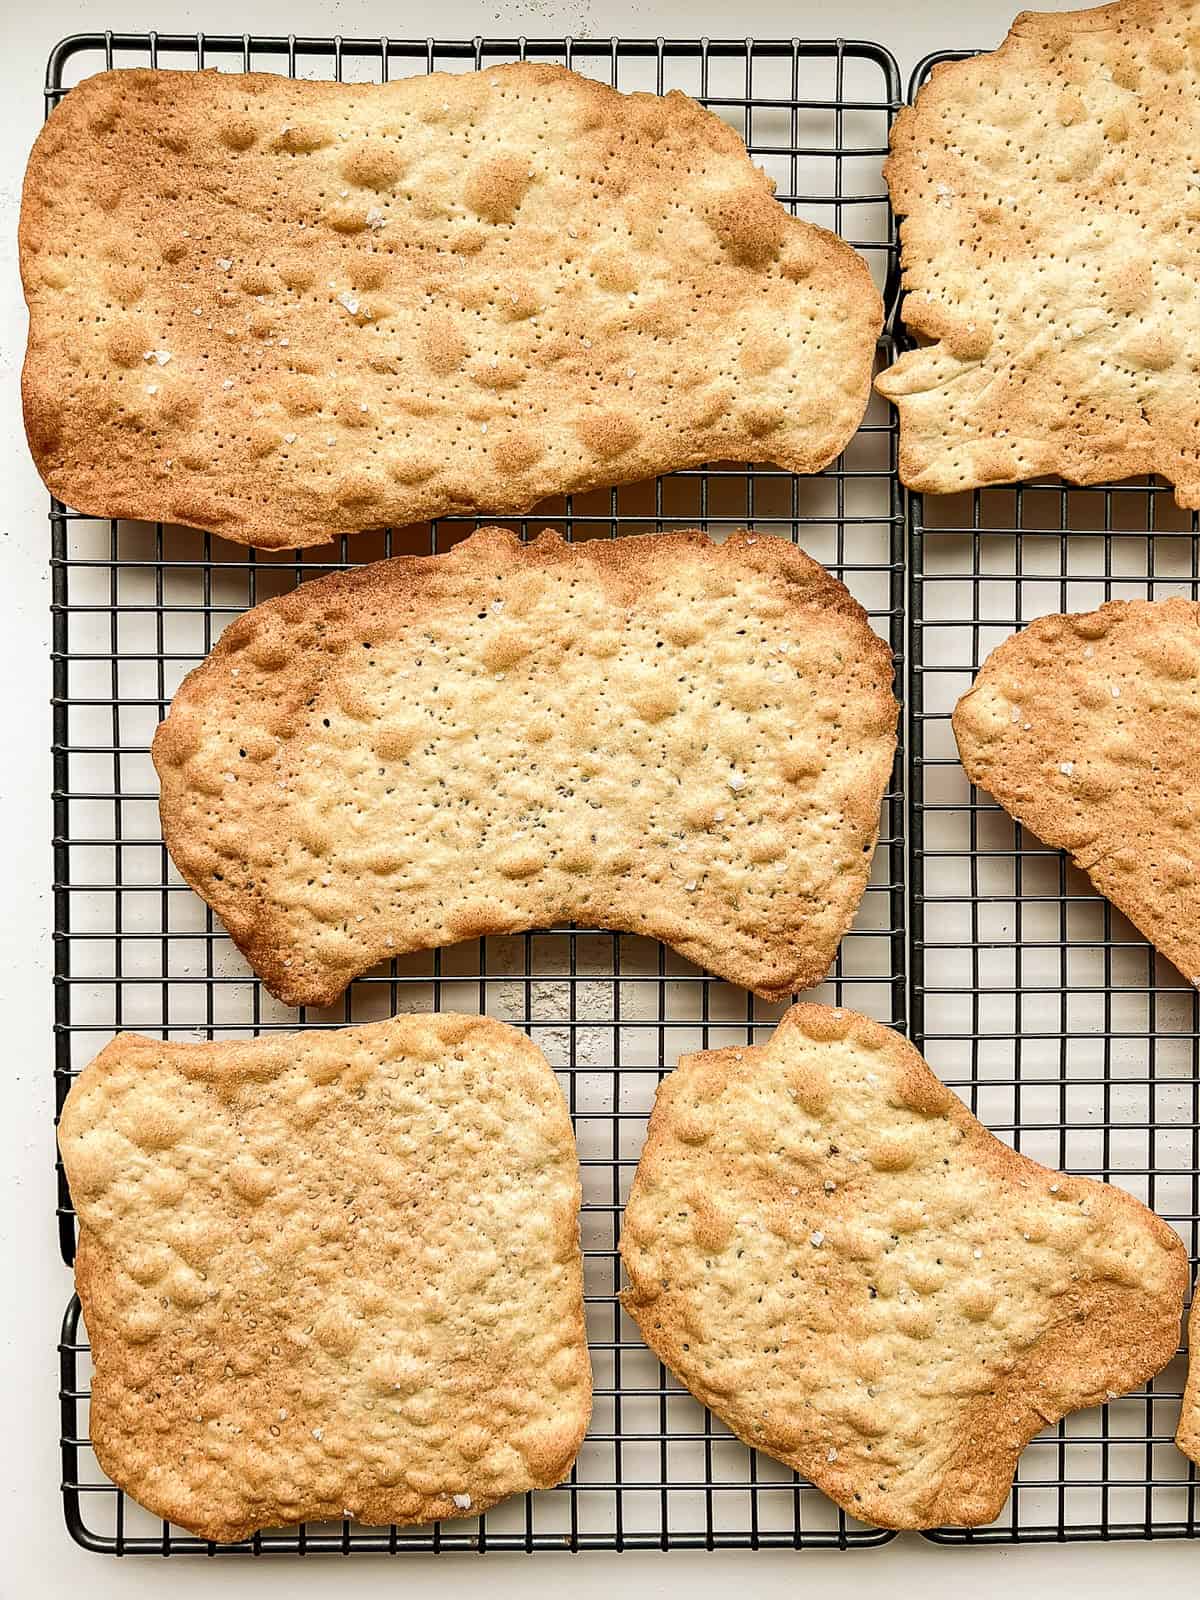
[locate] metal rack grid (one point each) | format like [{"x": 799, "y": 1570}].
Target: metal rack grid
[
  {"x": 134, "y": 609},
  {"x": 1031, "y": 996}
]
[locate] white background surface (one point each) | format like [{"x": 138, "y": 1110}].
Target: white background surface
[{"x": 36, "y": 1557}]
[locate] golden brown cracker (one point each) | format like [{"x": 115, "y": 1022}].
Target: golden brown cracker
[
  {"x": 329, "y": 1274},
  {"x": 1085, "y": 729},
  {"x": 858, "y": 1278},
  {"x": 282, "y": 310},
  {"x": 657, "y": 734},
  {"x": 1051, "y": 201}
]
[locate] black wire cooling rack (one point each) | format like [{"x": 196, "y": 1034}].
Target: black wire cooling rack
[
  {"x": 134, "y": 609},
  {"x": 1032, "y": 997}
]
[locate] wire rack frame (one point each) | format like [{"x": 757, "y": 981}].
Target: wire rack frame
[
  {"x": 134, "y": 609},
  {"x": 1030, "y": 995}
]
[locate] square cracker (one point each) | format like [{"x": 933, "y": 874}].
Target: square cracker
[
  {"x": 331, "y": 1274},
  {"x": 1051, "y": 255},
  {"x": 282, "y": 310}
]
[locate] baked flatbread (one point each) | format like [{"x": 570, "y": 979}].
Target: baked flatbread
[
  {"x": 1051, "y": 254},
  {"x": 283, "y": 310},
  {"x": 1188, "y": 1437},
  {"x": 656, "y": 734},
  {"x": 336, "y": 1273},
  {"x": 846, "y": 1267},
  {"x": 1085, "y": 728}
]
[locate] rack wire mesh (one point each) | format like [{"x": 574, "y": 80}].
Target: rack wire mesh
[
  {"x": 136, "y": 606},
  {"x": 1031, "y": 996}
]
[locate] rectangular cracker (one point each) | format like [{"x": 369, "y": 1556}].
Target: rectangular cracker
[
  {"x": 281, "y": 310},
  {"x": 1051, "y": 208},
  {"x": 657, "y": 734},
  {"x": 332, "y": 1274},
  {"x": 1085, "y": 728},
  {"x": 857, "y": 1277}
]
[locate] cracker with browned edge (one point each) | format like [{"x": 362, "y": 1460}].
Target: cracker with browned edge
[
  {"x": 1188, "y": 1437},
  {"x": 849, "y": 1270},
  {"x": 656, "y": 734},
  {"x": 1085, "y": 728},
  {"x": 1051, "y": 254},
  {"x": 282, "y": 310},
  {"x": 329, "y": 1274}
]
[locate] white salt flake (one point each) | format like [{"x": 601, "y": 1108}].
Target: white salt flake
[
  {"x": 690, "y": 885},
  {"x": 816, "y": 1239},
  {"x": 151, "y": 388},
  {"x": 497, "y": 605},
  {"x": 350, "y": 302},
  {"x": 161, "y": 356},
  {"x": 831, "y": 1454},
  {"x": 224, "y": 263},
  {"x": 285, "y": 341},
  {"x": 462, "y": 1501},
  {"x": 1066, "y": 768},
  {"x": 1115, "y": 690},
  {"x": 631, "y": 372},
  {"x": 318, "y": 1433},
  {"x": 289, "y": 438},
  {"x": 978, "y": 1254},
  {"x": 227, "y": 383},
  {"x": 197, "y": 311},
  {"x": 830, "y": 1186},
  {"x": 736, "y": 781},
  {"x": 1088, "y": 653}
]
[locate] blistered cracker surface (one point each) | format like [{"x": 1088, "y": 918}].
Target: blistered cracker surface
[
  {"x": 858, "y": 1278},
  {"x": 1051, "y": 254},
  {"x": 1188, "y": 1438},
  {"x": 1085, "y": 728},
  {"x": 657, "y": 734},
  {"x": 335, "y": 1273},
  {"x": 281, "y": 310}
]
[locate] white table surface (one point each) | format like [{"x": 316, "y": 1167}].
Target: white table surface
[{"x": 37, "y": 1558}]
